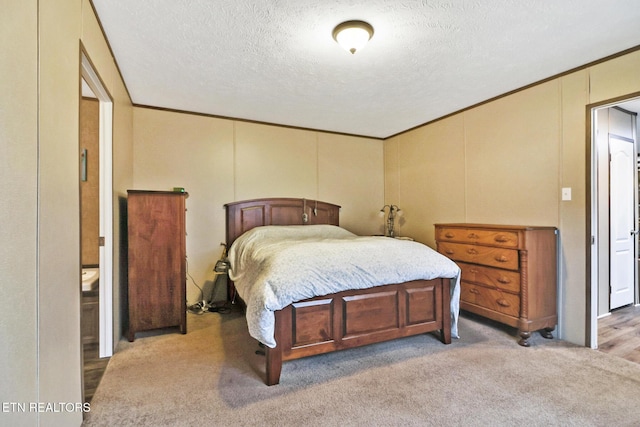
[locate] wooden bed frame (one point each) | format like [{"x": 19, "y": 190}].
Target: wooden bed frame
[{"x": 346, "y": 319}]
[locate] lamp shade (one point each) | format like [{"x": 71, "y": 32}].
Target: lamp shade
[{"x": 353, "y": 35}]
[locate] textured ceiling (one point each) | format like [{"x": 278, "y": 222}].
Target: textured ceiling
[{"x": 275, "y": 61}]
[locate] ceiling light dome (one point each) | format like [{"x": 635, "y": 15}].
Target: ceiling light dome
[{"x": 353, "y": 35}]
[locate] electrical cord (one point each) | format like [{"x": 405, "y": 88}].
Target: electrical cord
[
  {"x": 203, "y": 306},
  {"x": 197, "y": 308}
]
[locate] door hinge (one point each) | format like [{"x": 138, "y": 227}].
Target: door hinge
[{"x": 101, "y": 241}]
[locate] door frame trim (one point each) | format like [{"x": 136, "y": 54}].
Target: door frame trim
[
  {"x": 591, "y": 223},
  {"x": 92, "y": 78}
]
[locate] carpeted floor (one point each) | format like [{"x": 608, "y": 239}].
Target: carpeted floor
[{"x": 212, "y": 376}]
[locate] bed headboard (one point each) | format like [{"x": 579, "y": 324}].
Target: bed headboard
[{"x": 244, "y": 215}]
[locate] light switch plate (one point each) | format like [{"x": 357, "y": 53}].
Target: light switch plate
[{"x": 566, "y": 193}]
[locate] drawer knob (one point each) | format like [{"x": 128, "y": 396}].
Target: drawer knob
[
  {"x": 474, "y": 291},
  {"x": 473, "y": 236},
  {"x": 504, "y": 280},
  {"x": 472, "y": 251},
  {"x": 503, "y": 302},
  {"x": 449, "y": 252},
  {"x": 501, "y": 238},
  {"x": 449, "y": 235},
  {"x": 502, "y": 258},
  {"x": 473, "y": 270}
]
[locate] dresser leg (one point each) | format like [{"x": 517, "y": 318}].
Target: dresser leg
[
  {"x": 524, "y": 338},
  {"x": 546, "y": 332}
]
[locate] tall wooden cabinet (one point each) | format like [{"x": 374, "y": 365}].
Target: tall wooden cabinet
[
  {"x": 157, "y": 260},
  {"x": 509, "y": 273}
]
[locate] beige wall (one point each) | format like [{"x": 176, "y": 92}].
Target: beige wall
[
  {"x": 492, "y": 164},
  {"x": 424, "y": 176},
  {"x": 58, "y": 210},
  {"x": 39, "y": 130},
  {"x": 220, "y": 161},
  {"x": 18, "y": 213},
  {"x": 505, "y": 162}
]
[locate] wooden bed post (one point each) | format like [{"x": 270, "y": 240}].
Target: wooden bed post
[
  {"x": 274, "y": 355},
  {"x": 274, "y": 364}
]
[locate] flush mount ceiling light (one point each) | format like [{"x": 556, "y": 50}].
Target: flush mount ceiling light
[{"x": 353, "y": 35}]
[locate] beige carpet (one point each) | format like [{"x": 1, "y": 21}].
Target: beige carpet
[{"x": 212, "y": 376}]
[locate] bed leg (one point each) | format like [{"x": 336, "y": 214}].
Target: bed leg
[
  {"x": 274, "y": 365},
  {"x": 445, "y": 333}
]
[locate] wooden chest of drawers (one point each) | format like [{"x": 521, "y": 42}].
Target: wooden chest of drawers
[
  {"x": 509, "y": 273},
  {"x": 157, "y": 260}
]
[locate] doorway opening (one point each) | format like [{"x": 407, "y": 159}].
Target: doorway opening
[
  {"x": 613, "y": 251},
  {"x": 105, "y": 294}
]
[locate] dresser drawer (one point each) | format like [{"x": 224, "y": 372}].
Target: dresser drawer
[
  {"x": 505, "y": 239},
  {"x": 494, "y": 257},
  {"x": 492, "y": 299},
  {"x": 493, "y": 277}
]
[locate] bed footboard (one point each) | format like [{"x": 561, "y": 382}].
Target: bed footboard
[{"x": 359, "y": 317}]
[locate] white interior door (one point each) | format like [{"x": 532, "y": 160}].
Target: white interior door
[{"x": 622, "y": 224}]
